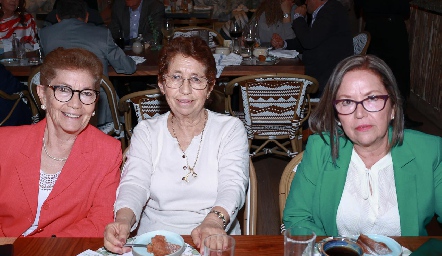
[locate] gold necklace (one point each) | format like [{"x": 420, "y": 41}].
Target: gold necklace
[
  {"x": 52, "y": 157},
  {"x": 191, "y": 169}
]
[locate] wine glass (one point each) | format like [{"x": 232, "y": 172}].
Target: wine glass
[
  {"x": 167, "y": 29},
  {"x": 249, "y": 36},
  {"x": 235, "y": 33}
]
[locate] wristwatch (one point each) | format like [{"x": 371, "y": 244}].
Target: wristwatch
[{"x": 286, "y": 15}]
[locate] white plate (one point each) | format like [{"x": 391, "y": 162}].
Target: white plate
[
  {"x": 390, "y": 242},
  {"x": 146, "y": 239}
]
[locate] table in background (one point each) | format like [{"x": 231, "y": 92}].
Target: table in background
[
  {"x": 150, "y": 67},
  {"x": 245, "y": 245}
]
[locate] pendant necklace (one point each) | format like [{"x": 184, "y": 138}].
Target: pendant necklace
[
  {"x": 191, "y": 169},
  {"x": 52, "y": 157}
]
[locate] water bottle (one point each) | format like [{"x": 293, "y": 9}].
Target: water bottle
[{"x": 15, "y": 45}]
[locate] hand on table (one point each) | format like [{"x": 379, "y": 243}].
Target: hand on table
[
  {"x": 208, "y": 227},
  {"x": 115, "y": 235},
  {"x": 277, "y": 41}
]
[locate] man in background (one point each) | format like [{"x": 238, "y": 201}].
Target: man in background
[
  {"x": 72, "y": 31},
  {"x": 324, "y": 42},
  {"x": 130, "y": 18}
]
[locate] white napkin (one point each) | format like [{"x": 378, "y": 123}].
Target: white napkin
[
  {"x": 138, "y": 59},
  {"x": 280, "y": 53},
  {"x": 226, "y": 60}
]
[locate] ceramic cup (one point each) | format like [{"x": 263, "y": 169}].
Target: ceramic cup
[
  {"x": 222, "y": 50},
  {"x": 339, "y": 246},
  {"x": 260, "y": 51}
]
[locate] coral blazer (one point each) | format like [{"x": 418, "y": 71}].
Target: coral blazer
[{"x": 81, "y": 201}]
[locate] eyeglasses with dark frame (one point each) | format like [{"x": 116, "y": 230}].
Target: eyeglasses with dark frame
[
  {"x": 65, "y": 93},
  {"x": 373, "y": 103},
  {"x": 176, "y": 81}
]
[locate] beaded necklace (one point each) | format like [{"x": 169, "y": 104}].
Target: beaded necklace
[
  {"x": 191, "y": 169},
  {"x": 52, "y": 157}
]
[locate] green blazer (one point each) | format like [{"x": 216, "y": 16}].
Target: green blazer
[{"x": 316, "y": 190}]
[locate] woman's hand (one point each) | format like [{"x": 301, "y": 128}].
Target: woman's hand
[
  {"x": 116, "y": 233},
  {"x": 210, "y": 226},
  {"x": 277, "y": 41}
]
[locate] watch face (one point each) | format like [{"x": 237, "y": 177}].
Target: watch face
[{"x": 286, "y": 15}]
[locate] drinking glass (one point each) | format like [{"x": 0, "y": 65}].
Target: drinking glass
[
  {"x": 168, "y": 29},
  {"x": 299, "y": 241},
  {"x": 218, "y": 245},
  {"x": 249, "y": 36},
  {"x": 235, "y": 33}
]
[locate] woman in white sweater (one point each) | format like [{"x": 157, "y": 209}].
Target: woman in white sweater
[{"x": 186, "y": 170}]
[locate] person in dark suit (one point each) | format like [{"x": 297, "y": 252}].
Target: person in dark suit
[
  {"x": 385, "y": 20},
  {"x": 323, "y": 43},
  {"x": 72, "y": 31},
  {"x": 9, "y": 84},
  {"x": 148, "y": 13}
]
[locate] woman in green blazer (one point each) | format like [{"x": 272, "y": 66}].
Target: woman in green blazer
[{"x": 362, "y": 172}]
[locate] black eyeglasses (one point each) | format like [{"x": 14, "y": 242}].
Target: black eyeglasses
[
  {"x": 374, "y": 103},
  {"x": 176, "y": 81},
  {"x": 65, "y": 93}
]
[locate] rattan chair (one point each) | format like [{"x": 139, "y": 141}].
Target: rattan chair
[
  {"x": 214, "y": 37},
  {"x": 146, "y": 104},
  {"x": 274, "y": 110},
  {"x": 361, "y": 42},
  {"x": 16, "y": 98},
  {"x": 114, "y": 129},
  {"x": 251, "y": 204},
  {"x": 286, "y": 181}
]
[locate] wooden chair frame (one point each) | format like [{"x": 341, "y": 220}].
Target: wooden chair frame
[
  {"x": 286, "y": 181},
  {"x": 251, "y": 204},
  {"x": 294, "y": 144},
  {"x": 126, "y": 107},
  {"x": 17, "y": 97},
  {"x": 209, "y": 23}
]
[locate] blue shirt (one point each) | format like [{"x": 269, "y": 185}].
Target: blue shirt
[{"x": 134, "y": 20}]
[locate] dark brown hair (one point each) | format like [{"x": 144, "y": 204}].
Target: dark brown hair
[
  {"x": 70, "y": 59},
  {"x": 324, "y": 118},
  {"x": 193, "y": 47},
  {"x": 20, "y": 11}
]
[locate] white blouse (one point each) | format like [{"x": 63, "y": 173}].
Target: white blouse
[
  {"x": 46, "y": 183},
  {"x": 369, "y": 202}
]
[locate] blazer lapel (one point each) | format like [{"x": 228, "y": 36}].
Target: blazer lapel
[
  {"x": 143, "y": 18},
  {"x": 405, "y": 172},
  {"x": 76, "y": 164},
  {"x": 332, "y": 191},
  {"x": 28, "y": 165}
]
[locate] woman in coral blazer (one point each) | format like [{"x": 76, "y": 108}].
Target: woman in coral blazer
[{"x": 59, "y": 177}]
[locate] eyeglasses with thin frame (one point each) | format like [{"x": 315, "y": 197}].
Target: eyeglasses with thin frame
[
  {"x": 373, "y": 103},
  {"x": 176, "y": 81},
  {"x": 65, "y": 93}
]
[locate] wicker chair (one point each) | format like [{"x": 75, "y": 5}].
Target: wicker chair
[
  {"x": 16, "y": 98},
  {"x": 274, "y": 110},
  {"x": 286, "y": 181},
  {"x": 146, "y": 104},
  {"x": 361, "y": 42}
]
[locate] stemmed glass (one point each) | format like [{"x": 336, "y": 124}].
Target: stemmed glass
[
  {"x": 235, "y": 33},
  {"x": 168, "y": 29},
  {"x": 249, "y": 35}
]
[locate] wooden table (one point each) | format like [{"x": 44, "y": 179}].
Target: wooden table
[
  {"x": 150, "y": 67},
  {"x": 245, "y": 245}
]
